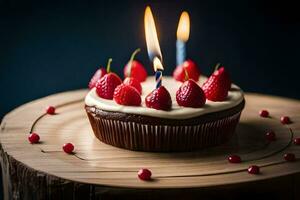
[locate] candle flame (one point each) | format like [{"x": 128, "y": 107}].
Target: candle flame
[
  {"x": 151, "y": 36},
  {"x": 157, "y": 64},
  {"x": 183, "y": 30}
]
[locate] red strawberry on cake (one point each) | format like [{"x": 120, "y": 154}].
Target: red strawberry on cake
[
  {"x": 159, "y": 99},
  {"x": 97, "y": 76},
  {"x": 191, "y": 69},
  {"x": 130, "y": 79},
  {"x": 217, "y": 85},
  {"x": 105, "y": 87},
  {"x": 134, "y": 83},
  {"x": 127, "y": 95},
  {"x": 190, "y": 95},
  {"x": 135, "y": 69}
]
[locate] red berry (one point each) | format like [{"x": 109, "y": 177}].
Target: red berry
[
  {"x": 290, "y": 157},
  {"x": 297, "y": 141},
  {"x": 264, "y": 113},
  {"x": 97, "y": 76},
  {"x": 270, "y": 136},
  {"x": 254, "y": 169},
  {"x": 68, "y": 147},
  {"x": 191, "y": 69},
  {"x": 159, "y": 99},
  {"x": 50, "y": 110},
  {"x": 190, "y": 95},
  {"x": 217, "y": 85},
  {"x": 127, "y": 95},
  {"x": 33, "y": 138},
  {"x": 105, "y": 87},
  {"x": 144, "y": 174},
  {"x": 285, "y": 120},
  {"x": 134, "y": 83},
  {"x": 234, "y": 159},
  {"x": 137, "y": 71}
]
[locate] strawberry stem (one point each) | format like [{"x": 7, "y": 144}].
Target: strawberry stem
[
  {"x": 217, "y": 66},
  {"x": 130, "y": 61},
  {"x": 108, "y": 65},
  {"x": 186, "y": 75}
]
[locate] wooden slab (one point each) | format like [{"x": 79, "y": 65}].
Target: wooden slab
[{"x": 101, "y": 164}]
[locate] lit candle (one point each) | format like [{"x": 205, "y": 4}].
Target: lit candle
[
  {"x": 183, "y": 33},
  {"x": 158, "y": 71},
  {"x": 153, "y": 48}
]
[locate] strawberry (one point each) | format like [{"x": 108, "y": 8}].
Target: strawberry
[
  {"x": 227, "y": 81},
  {"x": 134, "y": 83},
  {"x": 217, "y": 85},
  {"x": 137, "y": 71},
  {"x": 191, "y": 68},
  {"x": 127, "y": 95},
  {"x": 105, "y": 87},
  {"x": 98, "y": 74},
  {"x": 190, "y": 95},
  {"x": 159, "y": 99}
]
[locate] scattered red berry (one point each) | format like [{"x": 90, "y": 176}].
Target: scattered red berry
[
  {"x": 297, "y": 141},
  {"x": 159, "y": 99},
  {"x": 254, "y": 169},
  {"x": 217, "y": 85},
  {"x": 191, "y": 69},
  {"x": 33, "y": 138},
  {"x": 68, "y": 147},
  {"x": 144, "y": 174},
  {"x": 190, "y": 95},
  {"x": 234, "y": 159},
  {"x": 97, "y": 76},
  {"x": 264, "y": 113},
  {"x": 285, "y": 120},
  {"x": 290, "y": 157},
  {"x": 105, "y": 87},
  {"x": 137, "y": 71},
  {"x": 50, "y": 110},
  {"x": 271, "y": 136},
  {"x": 134, "y": 83},
  {"x": 127, "y": 95}
]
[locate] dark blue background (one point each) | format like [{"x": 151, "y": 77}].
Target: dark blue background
[{"x": 52, "y": 46}]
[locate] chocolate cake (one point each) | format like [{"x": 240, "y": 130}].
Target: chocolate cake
[{"x": 179, "y": 129}]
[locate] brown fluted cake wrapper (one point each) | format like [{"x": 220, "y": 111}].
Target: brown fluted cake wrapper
[{"x": 161, "y": 137}]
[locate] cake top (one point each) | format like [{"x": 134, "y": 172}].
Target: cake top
[{"x": 235, "y": 97}]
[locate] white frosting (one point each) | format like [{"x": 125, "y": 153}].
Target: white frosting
[{"x": 235, "y": 96}]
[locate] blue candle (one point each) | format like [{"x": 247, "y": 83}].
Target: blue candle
[
  {"x": 158, "y": 78},
  {"x": 180, "y": 52},
  {"x": 183, "y": 33}
]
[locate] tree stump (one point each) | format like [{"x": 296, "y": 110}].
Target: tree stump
[{"x": 100, "y": 171}]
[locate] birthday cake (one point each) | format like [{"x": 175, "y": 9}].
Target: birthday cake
[
  {"x": 145, "y": 119},
  {"x": 180, "y": 113}
]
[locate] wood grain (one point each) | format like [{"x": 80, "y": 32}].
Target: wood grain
[{"x": 95, "y": 163}]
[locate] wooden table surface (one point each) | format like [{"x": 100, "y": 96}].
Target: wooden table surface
[{"x": 98, "y": 164}]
